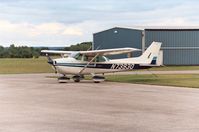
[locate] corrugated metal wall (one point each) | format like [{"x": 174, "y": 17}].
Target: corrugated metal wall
[
  {"x": 118, "y": 38},
  {"x": 180, "y": 46},
  {"x": 180, "y": 41},
  {"x": 181, "y": 57}
]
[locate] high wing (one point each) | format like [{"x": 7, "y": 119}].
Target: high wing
[
  {"x": 66, "y": 53},
  {"x": 105, "y": 52}
]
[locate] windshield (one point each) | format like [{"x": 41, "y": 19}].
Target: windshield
[
  {"x": 73, "y": 54},
  {"x": 78, "y": 56}
]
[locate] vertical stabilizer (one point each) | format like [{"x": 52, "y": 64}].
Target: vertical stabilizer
[{"x": 151, "y": 54}]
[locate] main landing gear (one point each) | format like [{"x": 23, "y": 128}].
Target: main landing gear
[
  {"x": 65, "y": 79},
  {"x": 98, "y": 79},
  {"x": 78, "y": 78}
]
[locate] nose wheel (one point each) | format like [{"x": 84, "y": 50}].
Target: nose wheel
[{"x": 63, "y": 79}]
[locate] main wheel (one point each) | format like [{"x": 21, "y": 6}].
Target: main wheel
[
  {"x": 76, "y": 78},
  {"x": 98, "y": 79}
]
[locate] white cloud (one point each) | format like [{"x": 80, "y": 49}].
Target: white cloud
[
  {"x": 69, "y": 22},
  {"x": 179, "y": 15},
  {"x": 73, "y": 31},
  {"x": 26, "y": 33}
]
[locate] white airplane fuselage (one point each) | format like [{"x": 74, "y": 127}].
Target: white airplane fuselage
[{"x": 72, "y": 66}]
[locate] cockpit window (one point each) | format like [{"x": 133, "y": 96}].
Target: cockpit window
[
  {"x": 87, "y": 58},
  {"x": 78, "y": 56},
  {"x": 97, "y": 59},
  {"x": 73, "y": 54},
  {"x": 100, "y": 59}
]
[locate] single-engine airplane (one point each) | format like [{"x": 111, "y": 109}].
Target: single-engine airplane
[{"x": 80, "y": 63}]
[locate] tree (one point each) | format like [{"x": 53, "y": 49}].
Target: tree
[
  {"x": 36, "y": 52},
  {"x": 79, "y": 47},
  {"x": 1, "y": 51},
  {"x": 31, "y": 52}
]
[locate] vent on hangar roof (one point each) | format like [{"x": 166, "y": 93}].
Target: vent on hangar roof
[{"x": 115, "y": 31}]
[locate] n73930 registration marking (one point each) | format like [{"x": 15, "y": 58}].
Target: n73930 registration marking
[{"x": 122, "y": 66}]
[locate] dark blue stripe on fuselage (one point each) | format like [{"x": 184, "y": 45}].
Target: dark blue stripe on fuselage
[
  {"x": 102, "y": 66},
  {"x": 99, "y": 66}
]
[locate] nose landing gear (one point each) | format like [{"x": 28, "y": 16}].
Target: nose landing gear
[{"x": 63, "y": 79}]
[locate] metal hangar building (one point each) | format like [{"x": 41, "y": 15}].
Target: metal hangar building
[{"x": 180, "y": 45}]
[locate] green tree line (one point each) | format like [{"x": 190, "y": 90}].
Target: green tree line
[
  {"x": 32, "y": 52},
  {"x": 80, "y": 47},
  {"x": 19, "y": 52}
]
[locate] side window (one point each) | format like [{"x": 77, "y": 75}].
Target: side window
[
  {"x": 85, "y": 58},
  {"x": 100, "y": 59},
  {"x": 89, "y": 58}
]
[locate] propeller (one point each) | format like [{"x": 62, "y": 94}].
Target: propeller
[{"x": 50, "y": 61}]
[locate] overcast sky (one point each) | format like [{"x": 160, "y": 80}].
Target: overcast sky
[{"x": 66, "y": 22}]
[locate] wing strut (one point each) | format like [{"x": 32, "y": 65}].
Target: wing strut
[{"x": 88, "y": 64}]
